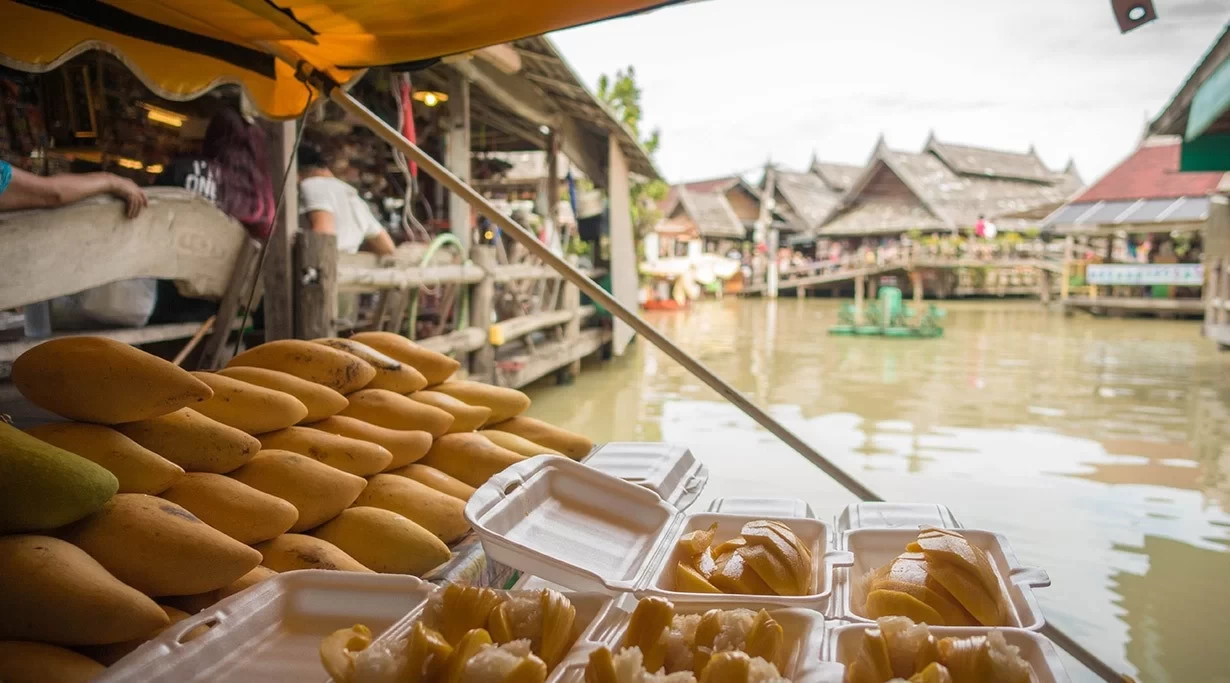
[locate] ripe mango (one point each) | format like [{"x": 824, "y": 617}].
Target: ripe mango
[
  {"x": 95, "y": 379},
  {"x": 470, "y": 457},
  {"x": 43, "y": 487},
  {"x": 317, "y": 491},
  {"x": 320, "y": 401},
  {"x": 26, "y": 662},
  {"x": 384, "y": 541},
  {"x": 193, "y": 441},
  {"x": 289, "y": 552},
  {"x": 138, "y": 469},
  {"x": 232, "y": 507},
  {"x": 248, "y": 407},
  {"x": 338, "y": 370},
  {"x": 572, "y": 445},
  {"x": 391, "y": 374},
  {"x": 885, "y": 603},
  {"x": 394, "y": 411},
  {"x": 466, "y": 418},
  {"x": 439, "y": 513},
  {"x": 353, "y": 456},
  {"x": 436, "y": 480},
  {"x": 517, "y": 444},
  {"x": 435, "y": 367},
  {"x": 160, "y": 548},
  {"x": 503, "y": 402},
  {"x": 56, "y": 593},
  {"x": 406, "y": 445}
]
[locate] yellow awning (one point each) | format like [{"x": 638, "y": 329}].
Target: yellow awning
[{"x": 182, "y": 48}]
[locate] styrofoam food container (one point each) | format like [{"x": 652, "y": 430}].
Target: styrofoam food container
[
  {"x": 577, "y": 527},
  {"x": 873, "y": 548},
  {"x": 273, "y": 630},
  {"x": 844, "y": 643},
  {"x": 669, "y": 470},
  {"x": 595, "y": 618}
]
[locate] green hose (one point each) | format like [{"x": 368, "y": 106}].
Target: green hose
[{"x": 442, "y": 240}]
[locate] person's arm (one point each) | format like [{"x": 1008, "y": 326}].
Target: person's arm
[
  {"x": 29, "y": 191},
  {"x": 381, "y": 243},
  {"x": 321, "y": 222}
]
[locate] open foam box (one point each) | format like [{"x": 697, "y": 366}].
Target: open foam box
[{"x": 583, "y": 529}]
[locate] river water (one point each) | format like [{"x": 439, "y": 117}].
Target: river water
[{"x": 1101, "y": 448}]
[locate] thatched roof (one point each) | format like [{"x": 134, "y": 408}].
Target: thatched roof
[
  {"x": 948, "y": 187},
  {"x": 711, "y": 213},
  {"x": 810, "y": 200},
  {"x": 837, "y": 176}
]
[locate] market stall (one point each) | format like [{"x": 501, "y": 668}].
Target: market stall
[{"x": 580, "y": 525}]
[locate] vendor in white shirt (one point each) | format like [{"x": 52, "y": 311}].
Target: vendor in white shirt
[{"x": 333, "y": 207}]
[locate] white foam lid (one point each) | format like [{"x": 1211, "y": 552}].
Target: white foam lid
[
  {"x": 669, "y": 470},
  {"x": 273, "y": 630},
  {"x": 575, "y": 526},
  {"x": 844, "y": 643}
]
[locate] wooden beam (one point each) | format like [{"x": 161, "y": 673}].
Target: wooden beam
[
  {"x": 511, "y": 92},
  {"x": 351, "y": 278},
  {"x": 462, "y": 341},
  {"x": 556, "y": 83},
  {"x": 623, "y": 264},
  {"x": 504, "y": 124},
  {"x": 507, "y": 330},
  {"x": 482, "y": 309},
  {"x": 549, "y": 357},
  {"x": 457, "y": 154},
  {"x": 215, "y": 353},
  {"x": 9, "y": 351}
]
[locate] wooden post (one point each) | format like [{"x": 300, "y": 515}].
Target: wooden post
[
  {"x": 764, "y": 227},
  {"x": 873, "y": 287},
  {"x": 457, "y": 155},
  {"x": 859, "y": 283},
  {"x": 917, "y": 286},
  {"x": 482, "y": 304},
  {"x": 623, "y": 266},
  {"x": 1066, "y": 282},
  {"x": 279, "y": 296},
  {"x": 1044, "y": 285},
  {"x": 571, "y": 301},
  {"x": 553, "y": 186},
  {"x": 315, "y": 285}
]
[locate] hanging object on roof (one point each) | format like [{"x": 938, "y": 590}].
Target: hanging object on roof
[{"x": 1132, "y": 14}]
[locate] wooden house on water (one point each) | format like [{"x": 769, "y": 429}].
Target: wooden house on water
[
  {"x": 713, "y": 216},
  {"x": 945, "y": 188}
]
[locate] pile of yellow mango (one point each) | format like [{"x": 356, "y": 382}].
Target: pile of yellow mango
[
  {"x": 766, "y": 558},
  {"x": 897, "y": 649},
  {"x": 353, "y": 454}
]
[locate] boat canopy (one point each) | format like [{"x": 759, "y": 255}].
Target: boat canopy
[{"x": 183, "y": 48}]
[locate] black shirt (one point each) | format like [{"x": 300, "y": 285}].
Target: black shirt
[{"x": 191, "y": 173}]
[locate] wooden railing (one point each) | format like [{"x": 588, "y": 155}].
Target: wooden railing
[{"x": 508, "y": 350}]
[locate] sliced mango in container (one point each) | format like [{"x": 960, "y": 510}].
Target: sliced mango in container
[
  {"x": 688, "y": 580},
  {"x": 735, "y": 576},
  {"x": 882, "y": 603}
]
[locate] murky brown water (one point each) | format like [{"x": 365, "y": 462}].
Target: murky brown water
[{"x": 1100, "y": 447}]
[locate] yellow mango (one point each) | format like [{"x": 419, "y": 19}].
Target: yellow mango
[
  {"x": 160, "y": 548},
  {"x": 872, "y": 664},
  {"x": 466, "y": 418},
  {"x": 193, "y": 441},
  {"x": 439, "y": 513},
  {"x": 353, "y": 456},
  {"x": 517, "y": 444},
  {"x": 470, "y": 457},
  {"x": 735, "y": 576},
  {"x": 435, "y": 367},
  {"x": 572, "y": 445},
  {"x": 232, "y": 507},
  {"x": 138, "y": 469},
  {"x": 988, "y": 609},
  {"x": 317, "y": 491},
  {"x": 289, "y": 552},
  {"x": 338, "y": 370},
  {"x": 688, "y": 580},
  {"x": 436, "y": 480},
  {"x": 394, "y": 411},
  {"x": 503, "y": 402},
  {"x": 110, "y": 654},
  {"x": 384, "y": 541},
  {"x": 95, "y": 379},
  {"x": 391, "y": 374},
  {"x": 406, "y": 445},
  {"x": 320, "y": 401},
  {"x": 885, "y": 603},
  {"x": 248, "y": 407},
  {"x": 26, "y": 662}
]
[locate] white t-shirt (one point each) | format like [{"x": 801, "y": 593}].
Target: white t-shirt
[{"x": 352, "y": 217}]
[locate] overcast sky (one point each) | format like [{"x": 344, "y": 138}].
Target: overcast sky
[{"x": 733, "y": 82}]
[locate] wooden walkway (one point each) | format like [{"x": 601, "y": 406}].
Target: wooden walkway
[{"x": 808, "y": 277}]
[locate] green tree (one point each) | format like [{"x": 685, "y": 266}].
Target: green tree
[{"x": 622, "y": 95}]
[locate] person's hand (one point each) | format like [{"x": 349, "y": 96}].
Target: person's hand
[{"x": 133, "y": 196}]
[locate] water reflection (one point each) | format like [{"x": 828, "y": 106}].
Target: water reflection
[{"x": 1098, "y": 446}]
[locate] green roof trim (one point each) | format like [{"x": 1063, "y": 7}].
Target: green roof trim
[
  {"x": 1211, "y": 101},
  {"x": 1206, "y": 153}
]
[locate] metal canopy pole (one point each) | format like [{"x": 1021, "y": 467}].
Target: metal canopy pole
[{"x": 595, "y": 292}]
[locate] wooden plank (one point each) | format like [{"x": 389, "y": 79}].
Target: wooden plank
[
  {"x": 458, "y": 342},
  {"x": 623, "y": 263},
  {"x": 214, "y": 354},
  {"x": 482, "y": 308},
  {"x": 54, "y": 252},
  {"x": 549, "y": 357},
  {"x": 507, "y": 330},
  {"x": 316, "y": 285},
  {"x": 457, "y": 154},
  {"x": 279, "y": 287},
  {"x": 9, "y": 351},
  {"x": 357, "y": 279},
  {"x": 1137, "y": 304}
]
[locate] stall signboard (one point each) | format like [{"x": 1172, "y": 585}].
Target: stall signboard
[{"x": 1184, "y": 274}]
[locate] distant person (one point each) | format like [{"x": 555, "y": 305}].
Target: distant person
[
  {"x": 333, "y": 207},
  {"x": 22, "y": 190},
  {"x": 230, "y": 171},
  {"x": 980, "y": 227}
]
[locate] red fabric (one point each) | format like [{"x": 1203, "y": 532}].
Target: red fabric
[
  {"x": 1151, "y": 173},
  {"x": 407, "y": 123}
]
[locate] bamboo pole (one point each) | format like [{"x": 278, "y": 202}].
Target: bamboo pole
[{"x": 610, "y": 303}]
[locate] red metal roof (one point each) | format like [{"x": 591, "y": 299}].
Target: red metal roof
[{"x": 1152, "y": 172}]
